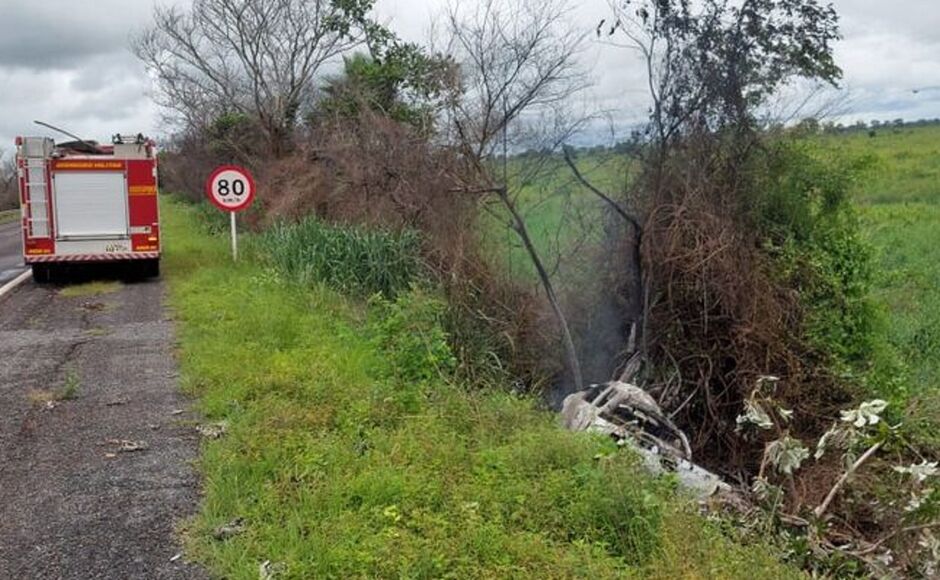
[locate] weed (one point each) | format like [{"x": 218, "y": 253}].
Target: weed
[
  {"x": 409, "y": 330},
  {"x": 9, "y": 216},
  {"x": 68, "y": 391},
  {"x": 38, "y": 397},
  {"x": 70, "y": 386}
]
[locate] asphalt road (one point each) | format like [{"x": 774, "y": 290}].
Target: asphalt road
[
  {"x": 11, "y": 252},
  {"x": 92, "y": 486}
]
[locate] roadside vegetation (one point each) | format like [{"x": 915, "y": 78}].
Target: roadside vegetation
[
  {"x": 350, "y": 451},
  {"x": 9, "y": 192},
  {"x": 9, "y": 216},
  {"x": 430, "y": 258}
]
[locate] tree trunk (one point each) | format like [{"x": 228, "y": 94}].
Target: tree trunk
[{"x": 520, "y": 228}]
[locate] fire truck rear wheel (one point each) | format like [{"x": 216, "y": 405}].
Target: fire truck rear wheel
[
  {"x": 150, "y": 268},
  {"x": 42, "y": 273}
]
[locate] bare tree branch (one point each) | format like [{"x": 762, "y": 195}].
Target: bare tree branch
[
  {"x": 517, "y": 59},
  {"x": 613, "y": 204},
  {"x": 256, "y": 57}
]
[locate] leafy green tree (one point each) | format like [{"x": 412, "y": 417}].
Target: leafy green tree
[{"x": 400, "y": 81}]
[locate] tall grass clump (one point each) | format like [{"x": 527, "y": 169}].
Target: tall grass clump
[{"x": 352, "y": 260}]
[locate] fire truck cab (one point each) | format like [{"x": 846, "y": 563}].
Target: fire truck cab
[{"x": 88, "y": 203}]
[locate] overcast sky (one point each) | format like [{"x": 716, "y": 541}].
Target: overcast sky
[{"x": 67, "y": 63}]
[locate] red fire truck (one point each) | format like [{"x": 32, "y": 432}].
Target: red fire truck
[{"x": 88, "y": 203}]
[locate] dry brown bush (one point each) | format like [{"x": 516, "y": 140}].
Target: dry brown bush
[
  {"x": 190, "y": 157},
  {"x": 720, "y": 318},
  {"x": 371, "y": 170},
  {"x": 374, "y": 171}
]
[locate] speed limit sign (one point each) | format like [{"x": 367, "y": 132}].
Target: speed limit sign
[{"x": 230, "y": 188}]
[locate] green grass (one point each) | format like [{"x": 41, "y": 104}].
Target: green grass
[
  {"x": 70, "y": 387},
  {"x": 342, "y": 469},
  {"x": 899, "y": 199},
  {"x": 907, "y": 163},
  {"x": 356, "y": 261},
  {"x": 563, "y": 218},
  {"x": 908, "y": 283},
  {"x": 906, "y": 236},
  {"x": 9, "y": 216}
]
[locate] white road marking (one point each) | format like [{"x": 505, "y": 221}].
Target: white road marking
[{"x": 9, "y": 286}]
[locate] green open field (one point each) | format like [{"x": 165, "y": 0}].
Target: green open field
[
  {"x": 906, "y": 164},
  {"x": 563, "y": 218},
  {"x": 899, "y": 202}
]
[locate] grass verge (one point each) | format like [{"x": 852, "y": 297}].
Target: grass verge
[
  {"x": 339, "y": 468},
  {"x": 9, "y": 216}
]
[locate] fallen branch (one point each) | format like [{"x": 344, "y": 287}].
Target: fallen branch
[
  {"x": 898, "y": 532},
  {"x": 819, "y": 511}
]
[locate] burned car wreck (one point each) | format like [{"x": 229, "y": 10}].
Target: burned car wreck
[{"x": 632, "y": 417}]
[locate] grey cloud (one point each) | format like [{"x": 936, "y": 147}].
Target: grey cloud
[
  {"x": 57, "y": 34},
  {"x": 918, "y": 20},
  {"x": 67, "y": 61},
  {"x": 118, "y": 103}
]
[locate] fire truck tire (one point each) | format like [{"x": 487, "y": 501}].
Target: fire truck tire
[
  {"x": 150, "y": 268},
  {"x": 42, "y": 273}
]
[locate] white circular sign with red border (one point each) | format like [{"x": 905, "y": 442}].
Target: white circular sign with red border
[{"x": 231, "y": 188}]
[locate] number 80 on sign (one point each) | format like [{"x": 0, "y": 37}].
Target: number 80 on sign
[{"x": 230, "y": 188}]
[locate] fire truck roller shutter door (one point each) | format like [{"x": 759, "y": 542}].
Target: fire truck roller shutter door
[{"x": 91, "y": 204}]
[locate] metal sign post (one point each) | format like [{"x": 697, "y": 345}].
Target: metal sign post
[
  {"x": 232, "y": 189},
  {"x": 234, "y": 237}
]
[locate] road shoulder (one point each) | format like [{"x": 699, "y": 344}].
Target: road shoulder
[{"x": 96, "y": 445}]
